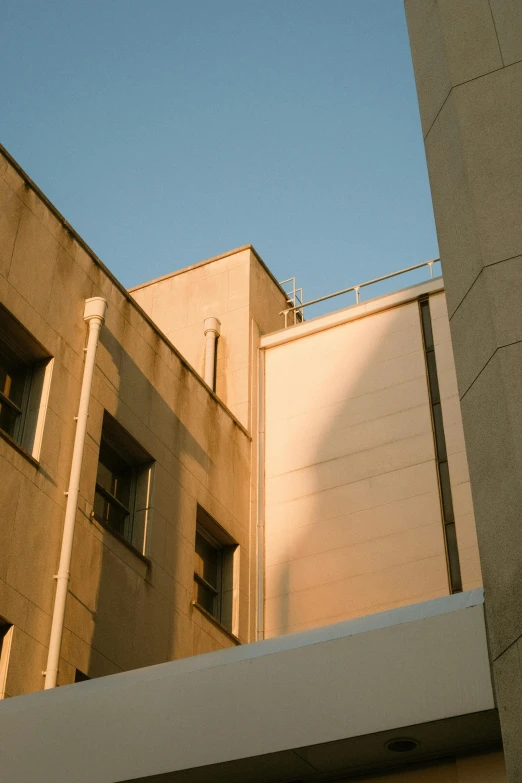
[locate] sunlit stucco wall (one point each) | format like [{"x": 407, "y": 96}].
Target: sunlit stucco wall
[
  {"x": 124, "y": 611},
  {"x": 237, "y": 289},
  {"x": 352, "y": 508}
]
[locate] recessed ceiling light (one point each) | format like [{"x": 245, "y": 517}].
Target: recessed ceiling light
[{"x": 402, "y": 745}]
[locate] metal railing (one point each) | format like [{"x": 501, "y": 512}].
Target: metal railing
[
  {"x": 301, "y": 305},
  {"x": 295, "y": 296}
]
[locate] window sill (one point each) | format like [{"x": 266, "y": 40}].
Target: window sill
[
  {"x": 20, "y": 449},
  {"x": 123, "y": 541},
  {"x": 215, "y": 622}
]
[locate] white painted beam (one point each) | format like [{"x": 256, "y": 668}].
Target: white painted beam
[{"x": 409, "y": 666}]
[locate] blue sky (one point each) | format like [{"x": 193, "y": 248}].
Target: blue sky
[{"x": 167, "y": 132}]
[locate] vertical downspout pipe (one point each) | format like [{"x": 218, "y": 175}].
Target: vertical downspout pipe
[
  {"x": 260, "y": 630},
  {"x": 212, "y": 332},
  {"x": 94, "y": 315}
]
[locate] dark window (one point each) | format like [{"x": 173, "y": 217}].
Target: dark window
[
  {"x": 13, "y": 379},
  {"x": 121, "y": 500},
  {"x": 214, "y": 569},
  {"x": 23, "y": 364},
  {"x": 446, "y": 498},
  {"x": 208, "y": 568},
  {"x": 438, "y": 426},
  {"x": 427, "y": 330},
  {"x": 433, "y": 377},
  {"x": 114, "y": 483}
]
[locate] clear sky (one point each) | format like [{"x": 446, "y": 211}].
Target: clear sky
[{"x": 170, "y": 131}]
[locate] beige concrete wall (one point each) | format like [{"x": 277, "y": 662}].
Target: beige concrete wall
[
  {"x": 122, "y": 611},
  {"x": 467, "y": 59},
  {"x": 353, "y": 519},
  {"x": 488, "y": 768},
  {"x": 179, "y": 304},
  {"x": 267, "y": 299},
  {"x": 237, "y": 289}
]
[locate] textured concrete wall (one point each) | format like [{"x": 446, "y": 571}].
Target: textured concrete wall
[
  {"x": 179, "y": 304},
  {"x": 467, "y": 57},
  {"x": 237, "y": 289},
  {"x": 122, "y": 612},
  {"x": 353, "y": 518}
]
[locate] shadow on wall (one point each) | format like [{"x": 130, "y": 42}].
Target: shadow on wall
[
  {"x": 353, "y": 513},
  {"x": 138, "y": 614}
]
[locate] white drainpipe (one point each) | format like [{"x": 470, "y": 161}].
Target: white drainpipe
[
  {"x": 212, "y": 332},
  {"x": 94, "y": 314},
  {"x": 260, "y": 633}
]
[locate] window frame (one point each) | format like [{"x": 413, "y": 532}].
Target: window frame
[
  {"x": 140, "y": 467},
  {"x": 22, "y": 354},
  {"x": 217, "y": 589},
  {"x": 225, "y": 609},
  {"x": 109, "y": 498},
  {"x": 5, "y": 399},
  {"x": 441, "y": 454}
]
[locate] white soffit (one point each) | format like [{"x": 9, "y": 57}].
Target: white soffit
[{"x": 410, "y": 666}]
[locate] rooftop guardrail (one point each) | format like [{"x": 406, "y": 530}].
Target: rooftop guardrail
[{"x": 301, "y": 305}]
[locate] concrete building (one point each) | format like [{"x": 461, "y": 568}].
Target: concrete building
[
  {"x": 304, "y": 489},
  {"x": 467, "y": 58}
]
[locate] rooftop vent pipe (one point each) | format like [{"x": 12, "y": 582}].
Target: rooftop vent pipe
[{"x": 212, "y": 332}]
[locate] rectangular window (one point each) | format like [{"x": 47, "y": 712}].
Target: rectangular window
[
  {"x": 114, "y": 482},
  {"x": 25, "y": 373},
  {"x": 208, "y": 569},
  {"x": 214, "y": 567},
  {"x": 446, "y": 498},
  {"x": 123, "y": 485},
  {"x": 13, "y": 380}
]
